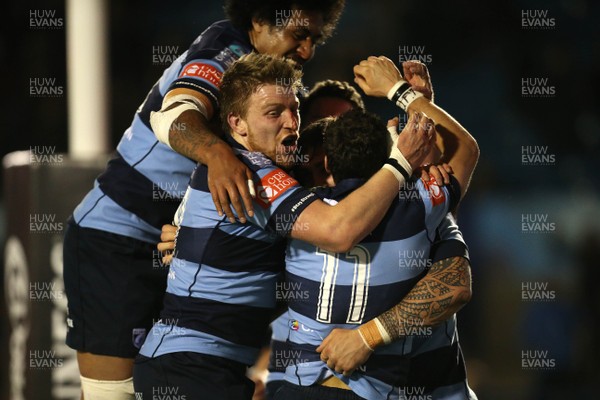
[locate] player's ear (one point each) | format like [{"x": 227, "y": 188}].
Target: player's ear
[
  {"x": 237, "y": 124},
  {"x": 326, "y": 164}
]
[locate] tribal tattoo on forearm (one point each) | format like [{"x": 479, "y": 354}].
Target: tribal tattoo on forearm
[
  {"x": 191, "y": 138},
  {"x": 443, "y": 291}
]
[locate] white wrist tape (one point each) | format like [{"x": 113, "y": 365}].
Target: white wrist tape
[
  {"x": 394, "y": 88},
  {"x": 384, "y": 334},
  {"x": 407, "y": 98},
  {"x": 162, "y": 120},
  {"x": 402, "y": 94},
  {"x": 398, "y": 165},
  {"x": 397, "y": 155}
]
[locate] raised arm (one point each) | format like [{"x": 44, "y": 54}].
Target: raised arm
[
  {"x": 436, "y": 297},
  {"x": 378, "y": 76},
  {"x": 339, "y": 228},
  {"x": 183, "y": 124}
]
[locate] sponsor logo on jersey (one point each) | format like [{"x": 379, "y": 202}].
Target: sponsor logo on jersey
[
  {"x": 230, "y": 54},
  {"x": 204, "y": 71},
  {"x": 294, "y": 325},
  {"x": 435, "y": 192},
  {"x": 273, "y": 185}
]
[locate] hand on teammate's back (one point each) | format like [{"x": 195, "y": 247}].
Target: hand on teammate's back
[
  {"x": 167, "y": 243},
  {"x": 229, "y": 183},
  {"x": 343, "y": 350}
]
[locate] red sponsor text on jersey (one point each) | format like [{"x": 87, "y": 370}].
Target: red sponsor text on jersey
[
  {"x": 273, "y": 185},
  {"x": 204, "y": 71},
  {"x": 435, "y": 192}
]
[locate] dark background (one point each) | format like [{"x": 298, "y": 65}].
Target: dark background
[{"x": 479, "y": 52}]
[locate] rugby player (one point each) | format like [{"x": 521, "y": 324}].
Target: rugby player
[
  {"x": 220, "y": 294},
  {"x": 436, "y": 362},
  {"x": 434, "y": 298},
  {"x": 113, "y": 282},
  {"x": 330, "y": 98},
  {"x": 325, "y": 98},
  {"x": 364, "y": 280}
]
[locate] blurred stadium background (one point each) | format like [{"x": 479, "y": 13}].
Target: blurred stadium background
[{"x": 521, "y": 75}]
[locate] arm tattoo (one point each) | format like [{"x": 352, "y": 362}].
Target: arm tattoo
[
  {"x": 191, "y": 136},
  {"x": 441, "y": 293}
]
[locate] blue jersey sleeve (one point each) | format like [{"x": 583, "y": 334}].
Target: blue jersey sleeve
[
  {"x": 208, "y": 57},
  {"x": 438, "y": 201},
  {"x": 450, "y": 242}
]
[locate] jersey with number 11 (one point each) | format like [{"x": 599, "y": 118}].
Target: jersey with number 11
[{"x": 343, "y": 290}]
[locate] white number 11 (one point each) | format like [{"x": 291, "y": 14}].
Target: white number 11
[{"x": 361, "y": 258}]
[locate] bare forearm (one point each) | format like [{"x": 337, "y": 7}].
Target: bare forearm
[
  {"x": 191, "y": 136},
  {"x": 363, "y": 210},
  {"x": 445, "y": 123},
  {"x": 461, "y": 150},
  {"x": 339, "y": 228},
  {"x": 435, "y": 298},
  {"x": 442, "y": 292}
]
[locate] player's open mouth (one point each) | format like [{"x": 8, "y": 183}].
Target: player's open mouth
[{"x": 289, "y": 144}]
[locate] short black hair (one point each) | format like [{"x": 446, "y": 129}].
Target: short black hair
[
  {"x": 331, "y": 88},
  {"x": 356, "y": 145},
  {"x": 241, "y": 12},
  {"x": 311, "y": 137}
]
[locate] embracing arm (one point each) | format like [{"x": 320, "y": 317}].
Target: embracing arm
[
  {"x": 339, "y": 228},
  {"x": 442, "y": 292},
  {"x": 182, "y": 124}
]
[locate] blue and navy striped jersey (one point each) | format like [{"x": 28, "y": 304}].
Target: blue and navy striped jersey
[
  {"x": 143, "y": 184},
  {"x": 221, "y": 284},
  {"x": 436, "y": 364},
  {"x": 347, "y": 289},
  {"x": 446, "y": 352}
]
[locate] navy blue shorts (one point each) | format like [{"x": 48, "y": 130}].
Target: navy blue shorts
[
  {"x": 289, "y": 391},
  {"x": 191, "y": 376},
  {"x": 114, "y": 286}
]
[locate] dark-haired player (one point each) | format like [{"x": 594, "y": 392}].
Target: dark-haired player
[
  {"x": 113, "y": 283},
  {"x": 221, "y": 287},
  {"x": 334, "y": 98},
  {"x": 329, "y": 98},
  {"x": 347, "y": 289}
]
